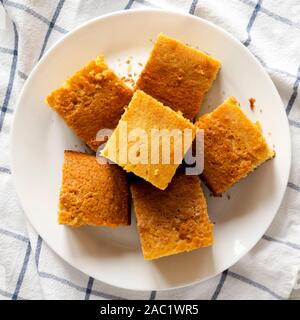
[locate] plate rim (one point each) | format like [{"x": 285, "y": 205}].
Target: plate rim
[{"x": 34, "y": 70}]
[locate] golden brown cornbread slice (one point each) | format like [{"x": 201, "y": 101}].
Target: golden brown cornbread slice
[
  {"x": 92, "y": 193},
  {"x": 145, "y": 113},
  {"x": 173, "y": 220},
  {"x": 178, "y": 75},
  {"x": 233, "y": 146},
  {"x": 92, "y": 99}
]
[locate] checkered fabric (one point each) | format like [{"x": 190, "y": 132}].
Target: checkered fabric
[{"x": 31, "y": 270}]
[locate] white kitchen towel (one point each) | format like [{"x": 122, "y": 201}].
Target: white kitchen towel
[{"x": 31, "y": 270}]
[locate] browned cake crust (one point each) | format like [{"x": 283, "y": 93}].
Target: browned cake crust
[
  {"x": 92, "y": 99},
  {"x": 178, "y": 75},
  {"x": 93, "y": 193},
  {"x": 233, "y": 146},
  {"x": 173, "y": 220}
]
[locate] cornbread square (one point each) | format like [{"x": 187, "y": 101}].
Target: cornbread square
[
  {"x": 92, "y": 99},
  {"x": 92, "y": 193},
  {"x": 233, "y": 146},
  {"x": 178, "y": 75},
  {"x": 145, "y": 115},
  {"x": 173, "y": 220}
]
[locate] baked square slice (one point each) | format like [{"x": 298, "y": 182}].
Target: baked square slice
[
  {"x": 92, "y": 99},
  {"x": 147, "y": 155},
  {"x": 173, "y": 220},
  {"x": 233, "y": 146},
  {"x": 92, "y": 193},
  {"x": 178, "y": 75}
]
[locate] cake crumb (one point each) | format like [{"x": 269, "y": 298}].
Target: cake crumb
[
  {"x": 128, "y": 80},
  {"x": 252, "y": 103},
  {"x": 228, "y": 197},
  {"x": 140, "y": 64}
]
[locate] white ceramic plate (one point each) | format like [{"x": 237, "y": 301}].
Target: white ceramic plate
[{"x": 39, "y": 138}]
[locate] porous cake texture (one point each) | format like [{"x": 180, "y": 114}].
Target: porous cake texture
[
  {"x": 144, "y": 114},
  {"x": 233, "y": 146},
  {"x": 178, "y": 75},
  {"x": 173, "y": 220},
  {"x": 92, "y": 99},
  {"x": 92, "y": 193}
]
